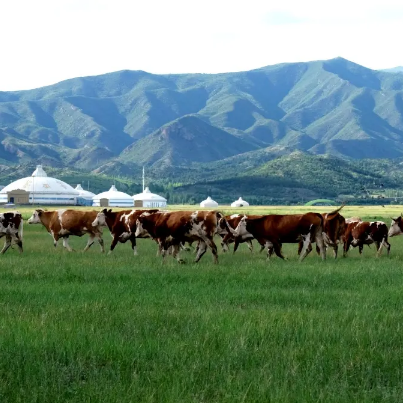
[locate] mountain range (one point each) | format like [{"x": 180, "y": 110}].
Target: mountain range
[{"x": 191, "y": 127}]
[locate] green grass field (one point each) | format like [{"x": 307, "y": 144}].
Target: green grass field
[{"x": 121, "y": 328}]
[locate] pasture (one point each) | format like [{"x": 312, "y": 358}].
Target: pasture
[{"x": 121, "y": 328}]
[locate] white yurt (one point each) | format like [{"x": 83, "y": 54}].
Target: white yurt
[
  {"x": 112, "y": 198},
  {"x": 148, "y": 199},
  {"x": 39, "y": 188},
  {"x": 84, "y": 196},
  {"x": 239, "y": 203},
  {"x": 209, "y": 202}
]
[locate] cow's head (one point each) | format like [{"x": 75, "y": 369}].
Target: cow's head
[
  {"x": 143, "y": 222},
  {"x": 100, "y": 220},
  {"x": 241, "y": 230},
  {"x": 140, "y": 231},
  {"x": 396, "y": 227},
  {"x": 36, "y": 217}
]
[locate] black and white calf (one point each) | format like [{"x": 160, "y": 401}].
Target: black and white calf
[{"x": 11, "y": 226}]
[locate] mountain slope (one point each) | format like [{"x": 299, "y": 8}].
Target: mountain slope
[
  {"x": 183, "y": 141},
  {"x": 334, "y": 107}
]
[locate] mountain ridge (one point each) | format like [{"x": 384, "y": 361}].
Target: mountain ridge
[{"x": 182, "y": 124}]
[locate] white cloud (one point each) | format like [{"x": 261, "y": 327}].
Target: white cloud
[{"x": 46, "y": 41}]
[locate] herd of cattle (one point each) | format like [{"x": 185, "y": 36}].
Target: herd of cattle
[{"x": 171, "y": 230}]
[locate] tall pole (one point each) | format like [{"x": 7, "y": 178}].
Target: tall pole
[{"x": 143, "y": 179}]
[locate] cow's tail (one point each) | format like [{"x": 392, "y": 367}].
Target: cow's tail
[{"x": 333, "y": 214}]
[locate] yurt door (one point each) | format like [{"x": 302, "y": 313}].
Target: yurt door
[{"x": 104, "y": 202}]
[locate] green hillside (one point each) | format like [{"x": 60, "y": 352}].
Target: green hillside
[
  {"x": 253, "y": 132},
  {"x": 334, "y": 107}
]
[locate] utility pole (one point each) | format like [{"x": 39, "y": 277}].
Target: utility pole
[{"x": 143, "y": 179}]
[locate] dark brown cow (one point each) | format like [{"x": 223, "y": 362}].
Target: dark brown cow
[
  {"x": 360, "y": 233},
  {"x": 11, "y": 226},
  {"x": 227, "y": 237},
  {"x": 334, "y": 228},
  {"x": 63, "y": 223},
  {"x": 275, "y": 230},
  {"x": 174, "y": 228},
  {"x": 121, "y": 224}
]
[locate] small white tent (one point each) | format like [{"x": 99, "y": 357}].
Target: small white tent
[
  {"x": 112, "y": 198},
  {"x": 84, "y": 197},
  {"x": 239, "y": 203},
  {"x": 148, "y": 199},
  {"x": 209, "y": 202}
]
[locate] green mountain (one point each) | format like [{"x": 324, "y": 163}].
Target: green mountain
[
  {"x": 282, "y": 132},
  {"x": 324, "y": 107},
  {"x": 183, "y": 141}
]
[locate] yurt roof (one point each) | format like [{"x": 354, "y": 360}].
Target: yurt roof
[
  {"x": 113, "y": 194},
  {"x": 239, "y": 202},
  {"x": 84, "y": 193},
  {"x": 39, "y": 183},
  {"x": 147, "y": 195},
  {"x": 209, "y": 202}
]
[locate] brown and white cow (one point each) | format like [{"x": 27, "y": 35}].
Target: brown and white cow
[
  {"x": 275, "y": 230},
  {"x": 227, "y": 237},
  {"x": 121, "y": 224},
  {"x": 396, "y": 227},
  {"x": 63, "y": 223},
  {"x": 334, "y": 228},
  {"x": 360, "y": 233},
  {"x": 174, "y": 228},
  {"x": 11, "y": 226}
]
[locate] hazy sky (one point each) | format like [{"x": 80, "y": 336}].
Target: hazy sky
[{"x": 46, "y": 41}]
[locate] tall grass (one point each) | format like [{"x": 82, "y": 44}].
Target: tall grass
[{"x": 122, "y": 328}]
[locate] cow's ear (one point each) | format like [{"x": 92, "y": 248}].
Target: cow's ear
[
  {"x": 110, "y": 210},
  {"x": 39, "y": 212}
]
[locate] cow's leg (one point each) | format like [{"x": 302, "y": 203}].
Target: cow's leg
[
  {"x": 387, "y": 245},
  {"x": 262, "y": 246},
  {"x": 101, "y": 242},
  {"x": 346, "y": 246},
  {"x": 360, "y": 248},
  {"x": 380, "y": 245},
  {"x": 236, "y": 244},
  {"x": 134, "y": 245},
  {"x": 91, "y": 240},
  {"x": 18, "y": 242},
  {"x": 159, "y": 250},
  {"x": 55, "y": 238},
  {"x": 250, "y": 245},
  {"x": 300, "y": 246},
  {"x": 306, "y": 242},
  {"x": 201, "y": 250},
  {"x": 114, "y": 242},
  {"x": 270, "y": 249},
  {"x": 277, "y": 250},
  {"x": 7, "y": 244},
  {"x": 197, "y": 247},
  {"x": 175, "y": 253},
  {"x": 320, "y": 243},
  {"x": 66, "y": 244},
  {"x": 335, "y": 250}
]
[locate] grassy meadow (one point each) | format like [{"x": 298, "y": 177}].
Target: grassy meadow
[{"x": 121, "y": 328}]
